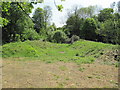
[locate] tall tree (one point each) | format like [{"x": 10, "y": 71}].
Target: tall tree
[
  {"x": 41, "y": 18},
  {"x": 38, "y": 19},
  {"x": 86, "y": 12},
  {"x": 105, "y": 14},
  {"x": 89, "y": 29},
  {"x": 47, "y": 15},
  {"x": 13, "y": 12}
]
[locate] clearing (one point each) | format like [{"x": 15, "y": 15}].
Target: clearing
[{"x": 36, "y": 64}]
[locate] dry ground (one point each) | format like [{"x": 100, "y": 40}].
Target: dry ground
[{"x": 38, "y": 74}]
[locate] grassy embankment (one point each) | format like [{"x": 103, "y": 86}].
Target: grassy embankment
[{"x": 81, "y": 51}]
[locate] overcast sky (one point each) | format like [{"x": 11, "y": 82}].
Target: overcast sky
[{"x": 59, "y": 17}]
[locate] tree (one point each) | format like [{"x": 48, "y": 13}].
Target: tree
[
  {"x": 47, "y": 15},
  {"x": 41, "y": 18},
  {"x": 4, "y": 7},
  {"x": 38, "y": 19},
  {"x": 26, "y": 29},
  {"x": 86, "y": 12},
  {"x": 109, "y": 31},
  {"x": 12, "y": 13},
  {"x": 76, "y": 19},
  {"x": 73, "y": 24},
  {"x": 89, "y": 28},
  {"x": 105, "y": 14}
]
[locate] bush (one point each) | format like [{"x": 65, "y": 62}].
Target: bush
[
  {"x": 74, "y": 38},
  {"x": 50, "y": 36},
  {"x": 59, "y": 36},
  {"x": 30, "y": 35}
]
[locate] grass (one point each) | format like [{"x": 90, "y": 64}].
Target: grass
[
  {"x": 81, "y": 69},
  {"x": 80, "y": 52},
  {"x": 63, "y": 68}
]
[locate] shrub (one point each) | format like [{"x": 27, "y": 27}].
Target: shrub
[
  {"x": 74, "y": 38},
  {"x": 50, "y": 36},
  {"x": 30, "y": 35},
  {"x": 59, "y": 36}
]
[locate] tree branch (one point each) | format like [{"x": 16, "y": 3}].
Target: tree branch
[{"x": 24, "y": 10}]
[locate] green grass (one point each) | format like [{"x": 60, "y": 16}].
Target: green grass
[{"x": 80, "y": 52}]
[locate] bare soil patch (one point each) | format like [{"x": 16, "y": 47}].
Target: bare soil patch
[{"x": 38, "y": 74}]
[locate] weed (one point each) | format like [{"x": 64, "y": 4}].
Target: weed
[
  {"x": 98, "y": 77},
  {"x": 117, "y": 64},
  {"x": 81, "y": 69},
  {"x": 90, "y": 77},
  {"x": 63, "y": 68},
  {"x": 60, "y": 85},
  {"x": 48, "y": 61},
  {"x": 56, "y": 77},
  {"x": 67, "y": 79}
]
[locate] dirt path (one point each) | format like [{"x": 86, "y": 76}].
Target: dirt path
[{"x": 37, "y": 74}]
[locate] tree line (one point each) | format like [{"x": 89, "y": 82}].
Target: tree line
[{"x": 82, "y": 23}]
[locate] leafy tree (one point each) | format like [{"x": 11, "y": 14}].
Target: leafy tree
[
  {"x": 47, "y": 15},
  {"x": 73, "y": 25},
  {"x": 76, "y": 19},
  {"x": 108, "y": 31},
  {"x": 38, "y": 19},
  {"x": 12, "y": 13},
  {"x": 26, "y": 29},
  {"x": 86, "y": 12},
  {"x": 105, "y": 14},
  {"x": 89, "y": 28},
  {"x": 41, "y": 18}
]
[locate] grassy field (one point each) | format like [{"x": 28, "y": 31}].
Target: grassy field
[
  {"x": 37, "y": 64},
  {"x": 81, "y": 51}
]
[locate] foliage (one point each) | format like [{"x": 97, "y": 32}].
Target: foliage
[
  {"x": 74, "y": 24},
  {"x": 110, "y": 32},
  {"x": 17, "y": 25},
  {"x": 17, "y": 20},
  {"x": 38, "y": 19},
  {"x": 3, "y": 22},
  {"x": 89, "y": 29},
  {"x": 74, "y": 38},
  {"x": 86, "y": 12},
  {"x": 47, "y": 15},
  {"x": 105, "y": 14},
  {"x": 60, "y": 7},
  {"x": 41, "y": 19},
  {"x": 59, "y": 36}
]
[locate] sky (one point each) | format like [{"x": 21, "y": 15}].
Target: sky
[{"x": 59, "y": 18}]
